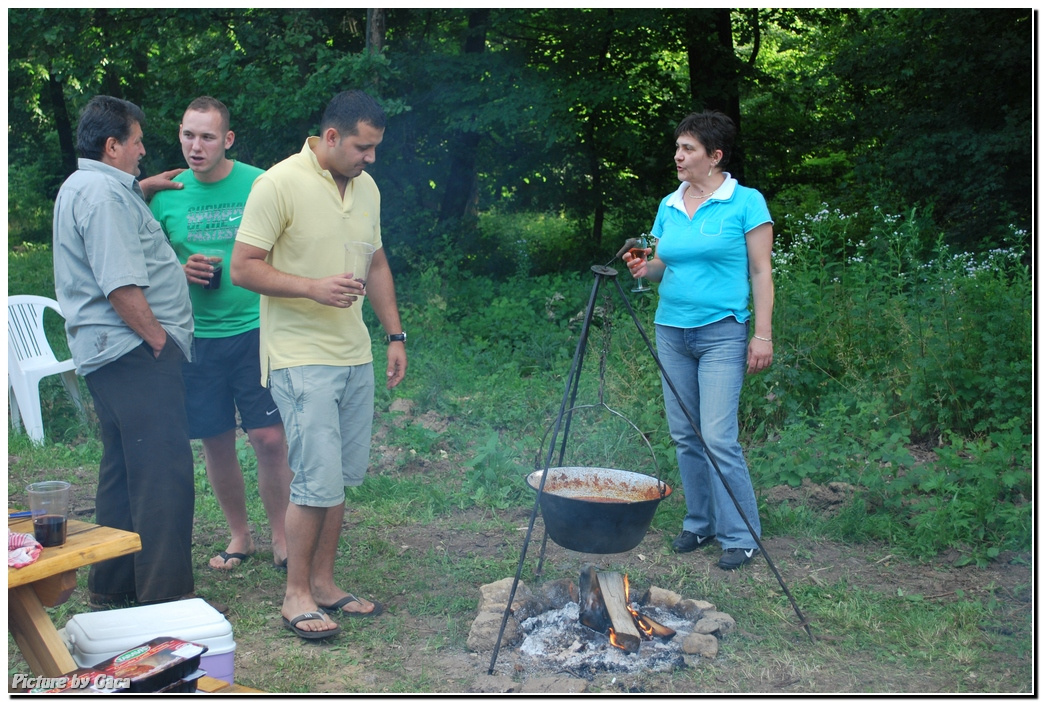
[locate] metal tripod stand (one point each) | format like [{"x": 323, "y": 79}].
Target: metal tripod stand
[{"x": 570, "y": 393}]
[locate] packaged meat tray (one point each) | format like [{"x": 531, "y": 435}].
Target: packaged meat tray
[{"x": 161, "y": 663}]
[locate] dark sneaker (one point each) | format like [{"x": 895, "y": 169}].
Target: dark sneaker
[
  {"x": 689, "y": 541},
  {"x": 736, "y": 557}
]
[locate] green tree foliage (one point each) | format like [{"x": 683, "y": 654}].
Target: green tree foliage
[
  {"x": 560, "y": 112},
  {"x": 555, "y": 121},
  {"x": 904, "y": 108},
  {"x": 616, "y": 100},
  {"x": 523, "y": 142}
]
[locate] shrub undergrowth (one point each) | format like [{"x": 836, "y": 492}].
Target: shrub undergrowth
[
  {"x": 889, "y": 346},
  {"x": 892, "y": 340}
]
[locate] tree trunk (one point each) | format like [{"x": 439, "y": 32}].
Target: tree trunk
[
  {"x": 375, "y": 34},
  {"x": 596, "y": 178},
  {"x": 62, "y": 124},
  {"x": 375, "y": 30},
  {"x": 595, "y": 166},
  {"x": 713, "y": 70},
  {"x": 460, "y": 199},
  {"x": 110, "y": 77}
]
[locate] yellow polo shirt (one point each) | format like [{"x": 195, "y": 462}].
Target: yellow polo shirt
[{"x": 295, "y": 212}]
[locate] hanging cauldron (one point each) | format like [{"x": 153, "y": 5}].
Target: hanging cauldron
[{"x": 598, "y": 510}]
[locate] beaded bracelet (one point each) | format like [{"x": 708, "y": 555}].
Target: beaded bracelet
[{"x": 762, "y": 338}]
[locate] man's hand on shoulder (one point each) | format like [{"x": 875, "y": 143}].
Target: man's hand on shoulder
[{"x": 162, "y": 181}]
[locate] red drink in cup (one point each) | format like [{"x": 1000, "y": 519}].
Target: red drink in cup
[{"x": 49, "y": 504}]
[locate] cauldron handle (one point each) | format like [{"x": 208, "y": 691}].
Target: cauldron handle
[
  {"x": 654, "y": 459},
  {"x": 572, "y": 386}
]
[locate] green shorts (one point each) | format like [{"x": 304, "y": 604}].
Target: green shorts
[{"x": 327, "y": 414}]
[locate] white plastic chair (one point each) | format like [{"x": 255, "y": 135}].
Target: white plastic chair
[{"x": 30, "y": 359}]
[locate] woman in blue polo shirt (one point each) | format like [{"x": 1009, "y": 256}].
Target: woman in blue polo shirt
[{"x": 714, "y": 244}]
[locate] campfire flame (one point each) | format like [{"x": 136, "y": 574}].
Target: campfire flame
[
  {"x": 596, "y": 613},
  {"x": 646, "y": 630}
]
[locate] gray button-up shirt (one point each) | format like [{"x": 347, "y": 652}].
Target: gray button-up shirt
[{"x": 105, "y": 237}]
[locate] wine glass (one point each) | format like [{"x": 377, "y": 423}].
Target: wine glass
[{"x": 640, "y": 251}]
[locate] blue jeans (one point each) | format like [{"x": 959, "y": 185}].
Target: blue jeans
[{"x": 707, "y": 365}]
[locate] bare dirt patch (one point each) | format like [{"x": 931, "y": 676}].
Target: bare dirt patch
[
  {"x": 740, "y": 667},
  {"x": 777, "y": 658}
]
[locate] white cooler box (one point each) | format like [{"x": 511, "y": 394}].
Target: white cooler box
[{"x": 96, "y": 636}]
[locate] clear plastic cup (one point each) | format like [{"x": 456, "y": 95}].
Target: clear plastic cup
[
  {"x": 216, "y": 257},
  {"x": 49, "y": 504},
  {"x": 357, "y": 257}
]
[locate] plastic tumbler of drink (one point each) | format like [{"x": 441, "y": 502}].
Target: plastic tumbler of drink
[
  {"x": 357, "y": 257},
  {"x": 216, "y": 259},
  {"x": 49, "y": 504}
]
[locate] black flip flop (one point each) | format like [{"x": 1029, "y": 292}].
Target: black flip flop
[
  {"x": 303, "y": 633},
  {"x": 335, "y": 608},
  {"x": 283, "y": 566},
  {"x": 243, "y": 557}
]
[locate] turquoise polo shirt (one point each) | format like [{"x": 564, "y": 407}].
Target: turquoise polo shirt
[{"x": 706, "y": 256}]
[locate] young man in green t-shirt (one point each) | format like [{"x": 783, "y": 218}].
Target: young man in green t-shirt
[{"x": 201, "y": 220}]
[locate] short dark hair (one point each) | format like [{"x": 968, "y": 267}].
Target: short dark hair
[
  {"x": 206, "y": 103},
  {"x": 347, "y": 109},
  {"x": 104, "y": 117},
  {"x": 713, "y": 129}
]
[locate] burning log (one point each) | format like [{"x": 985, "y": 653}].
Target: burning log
[
  {"x": 604, "y": 607},
  {"x": 592, "y": 610},
  {"x": 656, "y": 629},
  {"x": 614, "y": 587}
]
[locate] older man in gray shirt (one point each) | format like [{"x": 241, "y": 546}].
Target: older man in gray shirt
[{"x": 129, "y": 323}]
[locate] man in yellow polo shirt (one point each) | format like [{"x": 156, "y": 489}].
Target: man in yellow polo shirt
[{"x": 315, "y": 350}]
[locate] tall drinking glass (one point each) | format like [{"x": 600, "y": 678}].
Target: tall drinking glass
[{"x": 357, "y": 259}]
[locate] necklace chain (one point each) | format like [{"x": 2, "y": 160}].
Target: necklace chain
[{"x": 700, "y": 197}]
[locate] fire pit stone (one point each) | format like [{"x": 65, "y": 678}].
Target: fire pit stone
[
  {"x": 484, "y": 631},
  {"x": 659, "y": 597},
  {"x": 713, "y": 622},
  {"x": 675, "y": 602},
  {"x": 704, "y": 645},
  {"x": 545, "y": 633}
]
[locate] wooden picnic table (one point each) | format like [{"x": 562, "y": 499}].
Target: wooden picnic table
[{"x": 50, "y": 582}]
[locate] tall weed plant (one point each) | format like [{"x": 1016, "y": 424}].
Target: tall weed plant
[
  {"x": 940, "y": 341},
  {"x": 894, "y": 339}
]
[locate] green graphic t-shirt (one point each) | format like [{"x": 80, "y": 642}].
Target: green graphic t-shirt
[{"x": 207, "y": 216}]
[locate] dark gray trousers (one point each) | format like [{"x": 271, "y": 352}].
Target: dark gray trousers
[{"x": 146, "y": 478}]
